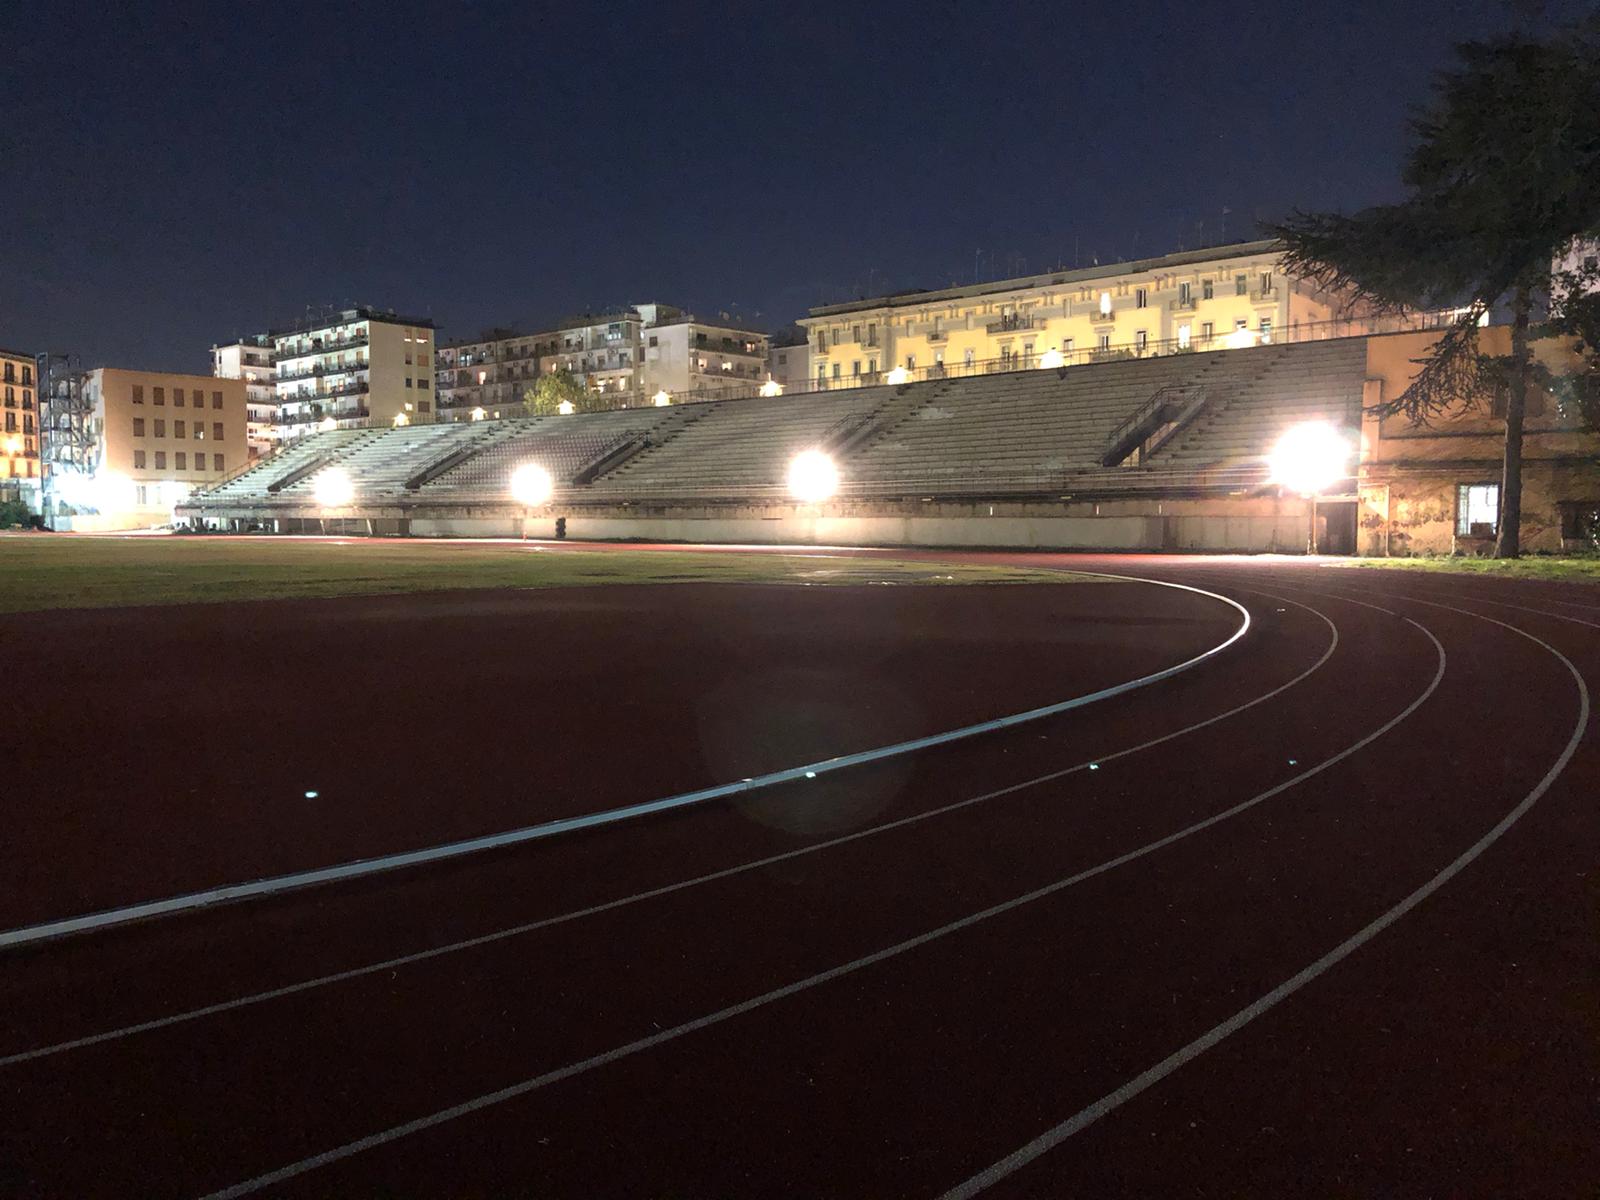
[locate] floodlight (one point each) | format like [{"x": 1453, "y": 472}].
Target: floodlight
[
  {"x": 1241, "y": 338},
  {"x": 898, "y": 375},
  {"x": 812, "y": 477},
  {"x": 478, "y": 414},
  {"x": 662, "y": 398},
  {"x": 1309, "y": 458},
  {"x": 531, "y": 485},
  {"x": 771, "y": 387},
  {"x": 566, "y": 408},
  {"x": 113, "y": 492},
  {"x": 401, "y": 419},
  {"x": 327, "y": 424},
  {"x": 1052, "y": 358},
  {"x": 333, "y": 488}
]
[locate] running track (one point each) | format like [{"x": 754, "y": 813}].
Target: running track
[{"x": 1308, "y": 925}]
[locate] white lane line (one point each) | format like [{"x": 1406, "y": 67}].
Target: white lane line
[
  {"x": 499, "y": 935},
  {"x": 488, "y": 1100},
  {"x": 49, "y": 930},
  {"x": 1113, "y": 1100}
]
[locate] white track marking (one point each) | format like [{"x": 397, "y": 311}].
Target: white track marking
[
  {"x": 488, "y": 1100},
  {"x": 50, "y": 930},
  {"x": 667, "y": 889},
  {"x": 1113, "y": 1100}
]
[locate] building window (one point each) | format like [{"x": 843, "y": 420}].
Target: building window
[
  {"x": 1266, "y": 329},
  {"x": 178, "y": 430},
  {"x": 911, "y": 362},
  {"x": 177, "y": 397},
  {"x": 836, "y": 371},
  {"x": 159, "y": 395},
  {"x": 1477, "y": 510},
  {"x": 1266, "y": 282},
  {"x": 161, "y": 428},
  {"x": 967, "y": 358},
  {"x": 1185, "y": 293},
  {"x": 1141, "y": 339},
  {"x": 216, "y": 463},
  {"x": 1241, "y": 285},
  {"x": 1141, "y": 297},
  {"x": 161, "y": 460},
  {"x": 1066, "y": 345},
  {"x": 1105, "y": 304},
  {"x": 138, "y": 460},
  {"x": 855, "y": 369},
  {"x": 138, "y": 393},
  {"x": 822, "y": 372},
  {"x": 1207, "y": 329},
  {"x": 1208, "y": 290},
  {"x": 138, "y": 427},
  {"x": 408, "y": 379},
  {"x": 216, "y": 399},
  {"x": 1183, "y": 337},
  {"x": 1105, "y": 341},
  {"x": 180, "y": 461},
  {"x": 199, "y": 431}
]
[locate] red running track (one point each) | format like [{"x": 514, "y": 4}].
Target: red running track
[{"x": 936, "y": 975}]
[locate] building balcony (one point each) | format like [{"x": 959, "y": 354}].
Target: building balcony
[
  {"x": 1097, "y": 315},
  {"x": 320, "y": 369},
  {"x": 359, "y": 388},
  {"x": 324, "y": 348},
  {"x": 1009, "y": 324},
  {"x": 938, "y": 335},
  {"x": 1181, "y": 305}
]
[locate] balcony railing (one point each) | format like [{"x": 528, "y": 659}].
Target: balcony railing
[
  {"x": 350, "y": 389},
  {"x": 1109, "y": 314},
  {"x": 321, "y": 369},
  {"x": 1009, "y": 324},
  {"x": 324, "y": 348}
]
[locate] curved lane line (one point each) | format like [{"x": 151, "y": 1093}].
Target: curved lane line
[
  {"x": 1113, "y": 1100},
  {"x": 274, "y": 885},
  {"x": 490, "y": 1099},
  {"x": 499, "y": 935}
]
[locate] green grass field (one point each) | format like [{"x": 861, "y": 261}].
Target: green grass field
[
  {"x": 44, "y": 571},
  {"x": 1574, "y": 569}
]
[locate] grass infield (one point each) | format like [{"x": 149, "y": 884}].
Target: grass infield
[
  {"x": 1577, "y": 569},
  {"x": 45, "y": 571}
]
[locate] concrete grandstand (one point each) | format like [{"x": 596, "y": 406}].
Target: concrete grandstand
[{"x": 1163, "y": 452}]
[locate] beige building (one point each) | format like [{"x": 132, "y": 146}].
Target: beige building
[
  {"x": 353, "y": 366},
  {"x": 1435, "y": 488},
  {"x": 251, "y": 359},
  {"x": 150, "y": 439},
  {"x": 789, "y": 363},
  {"x": 1225, "y": 297},
  {"x": 19, "y": 438}
]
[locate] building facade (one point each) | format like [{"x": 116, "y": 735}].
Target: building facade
[
  {"x": 141, "y": 442},
  {"x": 353, "y": 366},
  {"x": 1227, "y": 297},
  {"x": 19, "y": 439},
  {"x": 625, "y": 358},
  {"x": 789, "y": 362},
  {"x": 251, "y": 359}
]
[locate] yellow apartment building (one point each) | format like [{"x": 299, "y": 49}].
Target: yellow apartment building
[
  {"x": 19, "y": 437},
  {"x": 1224, "y": 297}
]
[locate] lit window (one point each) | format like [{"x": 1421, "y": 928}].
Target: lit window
[
  {"x": 1183, "y": 337},
  {"x": 1477, "y": 509},
  {"x": 1105, "y": 304}
]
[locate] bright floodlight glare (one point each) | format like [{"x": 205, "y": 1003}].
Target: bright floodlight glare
[
  {"x": 662, "y": 398},
  {"x": 812, "y": 477},
  {"x": 478, "y": 414},
  {"x": 531, "y": 485},
  {"x": 1052, "y": 358},
  {"x": 1241, "y": 338},
  {"x": 327, "y": 423},
  {"x": 332, "y": 488},
  {"x": 1310, "y": 458},
  {"x": 897, "y": 376},
  {"x": 566, "y": 408},
  {"x": 113, "y": 492},
  {"x": 771, "y": 387}
]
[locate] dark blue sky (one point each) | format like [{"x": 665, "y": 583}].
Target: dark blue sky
[{"x": 187, "y": 172}]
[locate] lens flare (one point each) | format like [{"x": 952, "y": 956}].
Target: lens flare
[
  {"x": 812, "y": 477},
  {"x": 531, "y": 485},
  {"x": 1310, "y": 458},
  {"x": 333, "y": 488}
]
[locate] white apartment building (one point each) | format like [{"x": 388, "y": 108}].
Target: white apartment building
[
  {"x": 352, "y": 366},
  {"x": 250, "y": 359}
]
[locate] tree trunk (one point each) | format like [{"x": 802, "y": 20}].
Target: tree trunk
[{"x": 1508, "y": 543}]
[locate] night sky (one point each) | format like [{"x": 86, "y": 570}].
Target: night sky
[{"x": 183, "y": 173}]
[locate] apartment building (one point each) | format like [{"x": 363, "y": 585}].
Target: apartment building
[
  {"x": 251, "y": 359},
  {"x": 142, "y": 441},
  {"x": 1224, "y": 297},
  {"x": 626, "y": 357},
  {"x": 789, "y": 361},
  {"x": 352, "y": 366},
  {"x": 19, "y": 439}
]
